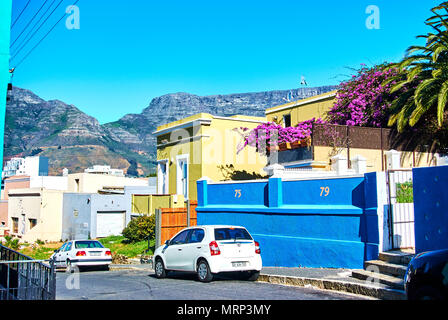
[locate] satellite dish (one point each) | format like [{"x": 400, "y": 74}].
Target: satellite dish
[{"x": 303, "y": 81}]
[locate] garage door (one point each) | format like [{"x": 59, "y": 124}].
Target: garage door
[{"x": 109, "y": 223}]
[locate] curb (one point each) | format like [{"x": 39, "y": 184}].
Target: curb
[
  {"x": 335, "y": 285},
  {"x": 116, "y": 267}
]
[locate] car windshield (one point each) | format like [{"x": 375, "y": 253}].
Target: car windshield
[
  {"x": 88, "y": 244},
  {"x": 232, "y": 234}
]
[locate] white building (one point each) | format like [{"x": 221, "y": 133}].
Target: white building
[
  {"x": 105, "y": 170},
  {"x": 28, "y": 166}
]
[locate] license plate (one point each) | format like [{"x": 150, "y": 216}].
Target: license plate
[
  {"x": 238, "y": 264},
  {"x": 96, "y": 254}
]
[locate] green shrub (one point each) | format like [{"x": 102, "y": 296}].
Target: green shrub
[
  {"x": 11, "y": 243},
  {"x": 140, "y": 228},
  {"x": 405, "y": 192}
]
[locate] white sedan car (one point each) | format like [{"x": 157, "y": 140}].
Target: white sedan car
[
  {"x": 81, "y": 253},
  {"x": 209, "y": 250}
]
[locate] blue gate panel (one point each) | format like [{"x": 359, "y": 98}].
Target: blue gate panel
[{"x": 430, "y": 208}]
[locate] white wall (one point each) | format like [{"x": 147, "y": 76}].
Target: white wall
[
  {"x": 49, "y": 182},
  {"x": 383, "y": 207}
]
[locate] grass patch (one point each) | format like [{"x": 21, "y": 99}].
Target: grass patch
[
  {"x": 120, "y": 245},
  {"x": 117, "y": 244},
  {"x": 40, "y": 252}
]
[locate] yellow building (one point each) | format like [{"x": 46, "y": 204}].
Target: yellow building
[
  {"x": 362, "y": 142},
  {"x": 292, "y": 113},
  {"x": 204, "y": 145},
  {"x": 146, "y": 204}
]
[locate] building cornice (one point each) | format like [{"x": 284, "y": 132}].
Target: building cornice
[
  {"x": 192, "y": 123},
  {"x": 300, "y": 103}
]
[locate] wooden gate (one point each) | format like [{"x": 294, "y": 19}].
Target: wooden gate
[{"x": 170, "y": 221}]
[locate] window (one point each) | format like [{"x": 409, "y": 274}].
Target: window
[
  {"x": 88, "y": 244},
  {"x": 182, "y": 175},
  {"x": 68, "y": 247},
  {"x": 15, "y": 225},
  {"x": 76, "y": 185},
  {"x": 287, "y": 120},
  {"x": 181, "y": 238},
  {"x": 33, "y": 223},
  {"x": 63, "y": 247},
  {"x": 232, "y": 234},
  {"x": 162, "y": 177},
  {"x": 196, "y": 236}
]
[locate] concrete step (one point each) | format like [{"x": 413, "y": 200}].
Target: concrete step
[
  {"x": 396, "y": 257},
  {"x": 379, "y": 266},
  {"x": 377, "y": 291},
  {"x": 374, "y": 277}
]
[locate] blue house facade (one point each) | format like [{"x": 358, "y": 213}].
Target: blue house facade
[{"x": 329, "y": 223}]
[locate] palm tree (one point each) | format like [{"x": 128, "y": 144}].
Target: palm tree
[{"x": 422, "y": 81}]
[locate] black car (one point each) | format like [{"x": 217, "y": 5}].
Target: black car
[{"x": 427, "y": 276}]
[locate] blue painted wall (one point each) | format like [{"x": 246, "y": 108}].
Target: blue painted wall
[
  {"x": 330, "y": 223},
  {"x": 430, "y": 208},
  {"x": 5, "y": 26}
]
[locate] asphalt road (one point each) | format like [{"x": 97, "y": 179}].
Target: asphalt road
[{"x": 142, "y": 285}]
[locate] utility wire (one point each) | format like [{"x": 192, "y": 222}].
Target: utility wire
[
  {"x": 25, "y": 42},
  {"x": 28, "y": 24},
  {"x": 54, "y": 26},
  {"x": 18, "y": 17}
]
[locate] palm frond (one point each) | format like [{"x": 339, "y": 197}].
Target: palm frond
[{"x": 442, "y": 101}]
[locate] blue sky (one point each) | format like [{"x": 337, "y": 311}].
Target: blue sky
[{"x": 128, "y": 52}]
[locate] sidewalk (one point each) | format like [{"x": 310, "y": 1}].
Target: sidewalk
[
  {"x": 329, "y": 279},
  {"x": 326, "y": 279}
]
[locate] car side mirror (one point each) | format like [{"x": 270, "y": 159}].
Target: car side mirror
[
  {"x": 56, "y": 251},
  {"x": 167, "y": 242}
]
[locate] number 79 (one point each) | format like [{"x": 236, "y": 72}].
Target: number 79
[{"x": 324, "y": 191}]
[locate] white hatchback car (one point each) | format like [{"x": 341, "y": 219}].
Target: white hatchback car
[
  {"x": 209, "y": 250},
  {"x": 81, "y": 253}
]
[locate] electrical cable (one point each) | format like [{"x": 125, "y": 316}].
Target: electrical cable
[
  {"x": 46, "y": 35},
  {"x": 20, "y": 49},
  {"x": 28, "y": 24},
  {"x": 18, "y": 17}
]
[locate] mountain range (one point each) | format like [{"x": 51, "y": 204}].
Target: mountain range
[{"x": 72, "y": 139}]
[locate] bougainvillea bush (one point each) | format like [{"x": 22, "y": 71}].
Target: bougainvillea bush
[
  {"x": 365, "y": 99},
  {"x": 272, "y": 134}
]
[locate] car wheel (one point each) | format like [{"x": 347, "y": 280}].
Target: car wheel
[
  {"x": 159, "y": 269},
  {"x": 428, "y": 293},
  {"x": 204, "y": 273}
]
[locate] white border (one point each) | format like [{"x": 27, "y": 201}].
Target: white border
[
  {"x": 178, "y": 181},
  {"x": 167, "y": 175}
]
